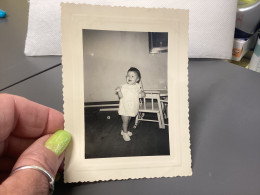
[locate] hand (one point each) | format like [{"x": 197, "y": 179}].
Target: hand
[
  {"x": 25, "y": 127},
  {"x": 118, "y": 89},
  {"x": 142, "y": 94}
]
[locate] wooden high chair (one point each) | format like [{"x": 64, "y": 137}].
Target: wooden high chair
[{"x": 150, "y": 104}]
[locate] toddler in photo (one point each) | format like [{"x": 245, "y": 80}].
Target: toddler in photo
[{"x": 129, "y": 94}]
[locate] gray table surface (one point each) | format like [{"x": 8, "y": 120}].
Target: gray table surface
[
  {"x": 224, "y": 120},
  {"x": 14, "y": 66}
]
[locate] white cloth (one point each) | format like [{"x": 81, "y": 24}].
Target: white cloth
[
  {"x": 129, "y": 104},
  {"x": 211, "y": 28}
]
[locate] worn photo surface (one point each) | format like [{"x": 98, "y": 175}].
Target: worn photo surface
[{"x": 125, "y": 78}]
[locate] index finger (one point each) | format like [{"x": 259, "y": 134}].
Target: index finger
[{"x": 24, "y": 118}]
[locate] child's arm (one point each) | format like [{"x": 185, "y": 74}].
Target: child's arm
[
  {"x": 142, "y": 94},
  {"x": 119, "y": 92}
]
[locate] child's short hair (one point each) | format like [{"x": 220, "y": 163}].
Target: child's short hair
[{"x": 133, "y": 69}]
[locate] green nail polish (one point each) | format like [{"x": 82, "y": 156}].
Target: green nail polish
[{"x": 58, "y": 142}]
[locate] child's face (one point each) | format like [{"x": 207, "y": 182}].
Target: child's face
[{"x": 132, "y": 78}]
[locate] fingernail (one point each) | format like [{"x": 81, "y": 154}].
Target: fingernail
[{"x": 58, "y": 142}]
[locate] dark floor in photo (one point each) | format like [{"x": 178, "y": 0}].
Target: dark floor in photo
[{"x": 103, "y": 137}]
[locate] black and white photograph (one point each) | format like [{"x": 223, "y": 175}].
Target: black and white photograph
[
  {"x": 125, "y": 93},
  {"x": 125, "y": 78}
]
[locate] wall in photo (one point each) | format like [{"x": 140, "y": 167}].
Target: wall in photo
[{"x": 109, "y": 54}]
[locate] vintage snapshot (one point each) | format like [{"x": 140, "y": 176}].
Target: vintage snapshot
[
  {"x": 125, "y": 94},
  {"x": 125, "y": 77}
]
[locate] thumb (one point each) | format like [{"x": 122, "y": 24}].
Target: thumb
[{"x": 46, "y": 152}]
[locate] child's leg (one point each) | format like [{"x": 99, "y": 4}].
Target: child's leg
[
  {"x": 125, "y": 133},
  {"x": 125, "y": 124},
  {"x": 125, "y": 120}
]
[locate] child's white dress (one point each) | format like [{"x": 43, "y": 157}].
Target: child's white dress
[{"x": 129, "y": 104}]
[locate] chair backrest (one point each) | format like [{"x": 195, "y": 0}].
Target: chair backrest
[{"x": 151, "y": 101}]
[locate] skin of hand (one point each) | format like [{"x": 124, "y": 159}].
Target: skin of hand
[
  {"x": 142, "y": 94},
  {"x": 119, "y": 92},
  {"x": 25, "y": 127},
  {"x": 118, "y": 89}
]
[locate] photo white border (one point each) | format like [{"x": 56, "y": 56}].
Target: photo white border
[{"x": 75, "y": 18}]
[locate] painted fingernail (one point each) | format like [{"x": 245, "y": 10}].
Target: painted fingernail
[{"x": 58, "y": 142}]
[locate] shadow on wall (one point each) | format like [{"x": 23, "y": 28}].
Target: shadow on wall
[{"x": 109, "y": 54}]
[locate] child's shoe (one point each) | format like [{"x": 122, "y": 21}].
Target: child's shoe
[
  {"x": 126, "y": 137},
  {"x": 128, "y": 132}
]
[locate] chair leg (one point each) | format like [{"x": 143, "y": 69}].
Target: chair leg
[
  {"x": 136, "y": 121},
  {"x": 163, "y": 124},
  {"x": 164, "y": 110},
  {"x": 159, "y": 120},
  {"x": 162, "y": 120},
  {"x": 138, "y": 116}
]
